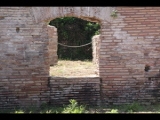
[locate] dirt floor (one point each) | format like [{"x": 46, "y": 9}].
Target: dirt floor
[{"x": 67, "y": 68}]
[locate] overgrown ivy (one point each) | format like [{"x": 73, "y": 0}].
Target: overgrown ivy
[{"x": 75, "y": 31}]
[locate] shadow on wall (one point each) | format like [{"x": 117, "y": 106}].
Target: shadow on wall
[
  {"x": 153, "y": 87},
  {"x": 7, "y": 102},
  {"x": 84, "y": 90}
]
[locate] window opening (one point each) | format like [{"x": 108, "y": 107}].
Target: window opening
[{"x": 74, "y": 51}]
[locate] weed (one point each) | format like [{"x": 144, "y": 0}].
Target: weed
[
  {"x": 43, "y": 105},
  {"x": 134, "y": 107},
  {"x": 73, "y": 107},
  {"x": 31, "y": 110},
  {"x": 114, "y": 111},
  {"x": 48, "y": 110},
  {"x": 19, "y": 112},
  {"x": 130, "y": 111}
]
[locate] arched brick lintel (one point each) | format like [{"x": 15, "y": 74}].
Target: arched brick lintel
[{"x": 93, "y": 14}]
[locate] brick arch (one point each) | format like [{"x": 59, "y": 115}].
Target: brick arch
[
  {"x": 53, "y": 43},
  {"x": 93, "y": 14},
  {"x": 46, "y": 14}
]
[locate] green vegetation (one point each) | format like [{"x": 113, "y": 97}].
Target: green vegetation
[
  {"x": 134, "y": 107},
  {"x": 19, "y": 111},
  {"x": 114, "y": 111},
  {"x": 74, "y": 108},
  {"x": 74, "y": 32}
]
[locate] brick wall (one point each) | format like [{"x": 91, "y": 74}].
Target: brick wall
[
  {"x": 128, "y": 44},
  {"x": 86, "y": 90},
  {"x": 24, "y": 65}
]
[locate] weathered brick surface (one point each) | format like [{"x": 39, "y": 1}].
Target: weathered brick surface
[
  {"x": 95, "y": 49},
  {"x": 128, "y": 43},
  {"x": 86, "y": 90},
  {"x": 24, "y": 58},
  {"x": 53, "y": 43}
]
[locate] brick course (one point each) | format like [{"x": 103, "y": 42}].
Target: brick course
[
  {"x": 136, "y": 31},
  {"x": 86, "y": 90}
]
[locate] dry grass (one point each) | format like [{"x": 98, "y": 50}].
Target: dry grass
[{"x": 67, "y": 68}]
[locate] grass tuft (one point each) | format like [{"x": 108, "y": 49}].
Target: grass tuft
[{"x": 73, "y": 107}]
